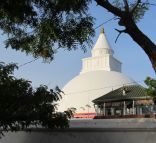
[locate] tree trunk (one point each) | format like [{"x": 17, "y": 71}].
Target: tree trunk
[
  {"x": 141, "y": 39},
  {"x": 132, "y": 29}
]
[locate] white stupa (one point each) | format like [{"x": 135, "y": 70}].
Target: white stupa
[{"x": 100, "y": 74}]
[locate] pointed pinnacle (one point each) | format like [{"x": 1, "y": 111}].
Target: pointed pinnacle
[{"x": 102, "y": 30}]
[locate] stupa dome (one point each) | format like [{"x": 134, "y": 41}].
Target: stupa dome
[{"x": 100, "y": 74}]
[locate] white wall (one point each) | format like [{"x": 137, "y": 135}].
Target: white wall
[
  {"x": 101, "y": 131},
  {"x": 82, "y": 136}
]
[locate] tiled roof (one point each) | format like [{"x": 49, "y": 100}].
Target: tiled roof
[{"x": 132, "y": 92}]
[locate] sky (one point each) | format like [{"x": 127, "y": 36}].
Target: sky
[{"x": 67, "y": 64}]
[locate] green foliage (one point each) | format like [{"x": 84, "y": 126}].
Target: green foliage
[
  {"x": 39, "y": 27},
  {"x": 140, "y": 10},
  {"x": 151, "y": 86},
  {"x": 118, "y": 4},
  {"x": 137, "y": 10},
  {"x": 22, "y": 107}
]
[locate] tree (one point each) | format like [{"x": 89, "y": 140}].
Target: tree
[
  {"x": 40, "y": 27},
  {"x": 128, "y": 13},
  {"x": 151, "y": 87},
  {"x": 22, "y": 107}
]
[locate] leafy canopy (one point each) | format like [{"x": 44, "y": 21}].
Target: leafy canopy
[
  {"x": 136, "y": 8},
  {"x": 40, "y": 27},
  {"x": 22, "y": 107},
  {"x": 151, "y": 86}
]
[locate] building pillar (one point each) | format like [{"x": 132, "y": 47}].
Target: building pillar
[
  {"x": 98, "y": 110},
  {"x": 112, "y": 111},
  {"x": 140, "y": 111},
  {"x": 104, "y": 109},
  {"x": 124, "y": 109},
  {"x": 133, "y": 107}
]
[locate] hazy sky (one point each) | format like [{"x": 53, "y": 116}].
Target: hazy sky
[{"x": 67, "y": 64}]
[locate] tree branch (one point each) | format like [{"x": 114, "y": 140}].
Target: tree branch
[
  {"x": 142, "y": 40},
  {"x": 106, "y": 4},
  {"x": 120, "y": 32},
  {"x": 126, "y": 5},
  {"x": 131, "y": 28}
]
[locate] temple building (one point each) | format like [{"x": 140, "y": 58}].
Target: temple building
[
  {"x": 100, "y": 74},
  {"x": 126, "y": 101}
]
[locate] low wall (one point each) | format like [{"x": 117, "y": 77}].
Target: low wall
[
  {"x": 84, "y": 134},
  {"x": 114, "y": 123}
]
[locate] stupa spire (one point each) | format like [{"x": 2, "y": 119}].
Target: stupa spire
[
  {"x": 102, "y": 45},
  {"x": 102, "y": 30},
  {"x": 102, "y": 57}
]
